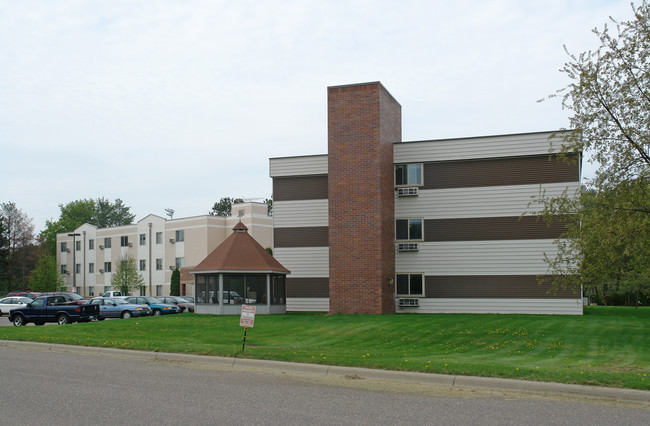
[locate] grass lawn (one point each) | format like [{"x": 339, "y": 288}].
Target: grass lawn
[{"x": 608, "y": 346}]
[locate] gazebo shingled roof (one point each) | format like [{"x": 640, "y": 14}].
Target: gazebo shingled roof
[{"x": 240, "y": 253}]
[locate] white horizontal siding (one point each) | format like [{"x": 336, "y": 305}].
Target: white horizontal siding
[
  {"x": 505, "y": 257},
  {"x": 498, "y": 306},
  {"x": 288, "y": 214},
  {"x": 304, "y": 261},
  {"x": 304, "y": 304},
  {"x": 467, "y": 148},
  {"x": 298, "y": 166},
  {"x": 489, "y": 201}
]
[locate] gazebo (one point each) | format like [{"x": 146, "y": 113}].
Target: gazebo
[{"x": 239, "y": 272}]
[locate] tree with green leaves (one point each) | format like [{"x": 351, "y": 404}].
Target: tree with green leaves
[
  {"x": 223, "y": 207},
  {"x": 100, "y": 213},
  {"x": 126, "y": 277},
  {"x": 45, "y": 277},
  {"x": 175, "y": 284},
  {"x": 605, "y": 248}
]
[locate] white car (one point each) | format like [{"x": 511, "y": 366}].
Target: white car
[{"x": 13, "y": 302}]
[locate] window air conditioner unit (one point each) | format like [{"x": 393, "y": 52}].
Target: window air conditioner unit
[
  {"x": 130, "y": 244},
  {"x": 409, "y": 303},
  {"x": 409, "y": 191},
  {"x": 101, "y": 247},
  {"x": 68, "y": 250},
  {"x": 171, "y": 268},
  {"x": 101, "y": 271},
  {"x": 407, "y": 247},
  {"x": 171, "y": 240}
]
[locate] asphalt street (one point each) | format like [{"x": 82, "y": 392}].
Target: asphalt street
[{"x": 45, "y": 384}]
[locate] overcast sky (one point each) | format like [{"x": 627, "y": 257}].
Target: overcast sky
[{"x": 175, "y": 104}]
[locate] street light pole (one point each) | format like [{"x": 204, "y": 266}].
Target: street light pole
[{"x": 74, "y": 260}]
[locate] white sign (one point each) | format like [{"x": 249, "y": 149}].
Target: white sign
[{"x": 247, "y": 318}]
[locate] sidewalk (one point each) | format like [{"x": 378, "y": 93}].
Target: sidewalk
[{"x": 319, "y": 370}]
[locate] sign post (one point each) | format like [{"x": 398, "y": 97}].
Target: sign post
[{"x": 247, "y": 319}]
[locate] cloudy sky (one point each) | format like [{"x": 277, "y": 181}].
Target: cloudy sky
[{"x": 177, "y": 103}]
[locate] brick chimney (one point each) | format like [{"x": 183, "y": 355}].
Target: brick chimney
[{"x": 364, "y": 121}]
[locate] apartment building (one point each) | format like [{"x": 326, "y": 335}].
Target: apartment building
[
  {"x": 88, "y": 256},
  {"x": 380, "y": 225}
]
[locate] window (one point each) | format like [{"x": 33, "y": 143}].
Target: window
[
  {"x": 180, "y": 262},
  {"x": 64, "y": 247},
  {"x": 124, "y": 241},
  {"x": 143, "y": 265},
  {"x": 410, "y": 285},
  {"x": 143, "y": 291},
  {"x": 64, "y": 269},
  {"x": 180, "y": 235},
  {"x": 158, "y": 290},
  {"x": 77, "y": 268},
  {"x": 91, "y": 268},
  {"x": 143, "y": 239},
  {"x": 77, "y": 245},
  {"x": 107, "y": 288},
  {"x": 91, "y": 291},
  {"x": 107, "y": 242},
  {"x": 91, "y": 244},
  {"x": 158, "y": 264},
  {"x": 107, "y": 267},
  {"x": 408, "y": 174},
  {"x": 158, "y": 237},
  {"x": 408, "y": 229}
]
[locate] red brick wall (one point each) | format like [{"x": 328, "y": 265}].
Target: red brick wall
[{"x": 363, "y": 122}]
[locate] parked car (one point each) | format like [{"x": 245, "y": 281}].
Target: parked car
[
  {"x": 31, "y": 294},
  {"x": 118, "y": 308},
  {"x": 234, "y": 298},
  {"x": 188, "y": 298},
  {"x": 157, "y": 307},
  {"x": 52, "y": 309},
  {"x": 10, "y": 303},
  {"x": 113, "y": 294},
  {"x": 70, "y": 298},
  {"x": 181, "y": 302}
]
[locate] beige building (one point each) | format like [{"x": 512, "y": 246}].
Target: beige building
[{"x": 88, "y": 256}]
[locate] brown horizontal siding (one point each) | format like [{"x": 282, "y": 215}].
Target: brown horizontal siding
[
  {"x": 308, "y": 287},
  {"x": 311, "y": 236},
  {"x": 491, "y": 286},
  {"x": 490, "y": 228},
  {"x": 300, "y": 188},
  {"x": 498, "y": 172}
]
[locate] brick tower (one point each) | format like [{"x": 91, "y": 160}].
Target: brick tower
[{"x": 364, "y": 121}]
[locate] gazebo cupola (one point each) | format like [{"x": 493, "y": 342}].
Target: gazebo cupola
[{"x": 239, "y": 271}]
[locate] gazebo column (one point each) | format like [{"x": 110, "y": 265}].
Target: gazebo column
[
  {"x": 268, "y": 292},
  {"x": 220, "y": 294}
]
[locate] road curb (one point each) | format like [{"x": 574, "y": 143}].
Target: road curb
[{"x": 464, "y": 382}]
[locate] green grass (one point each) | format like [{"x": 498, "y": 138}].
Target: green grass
[{"x": 608, "y": 346}]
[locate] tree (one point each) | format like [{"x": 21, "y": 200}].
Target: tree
[
  {"x": 126, "y": 277},
  {"x": 175, "y": 284},
  {"x": 107, "y": 214},
  {"x": 20, "y": 236},
  {"x": 45, "y": 277},
  {"x": 100, "y": 213},
  {"x": 4, "y": 254},
  {"x": 223, "y": 207},
  {"x": 605, "y": 248},
  {"x": 269, "y": 206}
]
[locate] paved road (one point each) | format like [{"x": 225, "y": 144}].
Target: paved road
[{"x": 58, "y": 388}]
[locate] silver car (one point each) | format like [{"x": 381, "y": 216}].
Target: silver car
[{"x": 9, "y": 303}]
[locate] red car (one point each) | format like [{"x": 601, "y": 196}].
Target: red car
[{"x": 30, "y": 294}]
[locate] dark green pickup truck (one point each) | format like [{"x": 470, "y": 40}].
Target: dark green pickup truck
[{"x": 53, "y": 309}]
